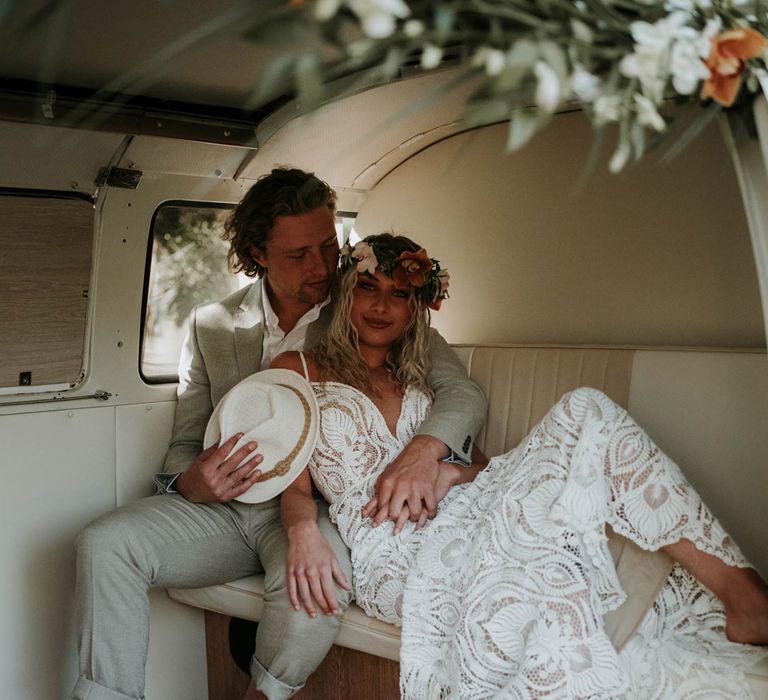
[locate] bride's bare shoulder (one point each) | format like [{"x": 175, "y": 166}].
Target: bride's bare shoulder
[{"x": 292, "y": 360}]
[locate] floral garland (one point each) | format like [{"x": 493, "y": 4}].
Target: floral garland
[
  {"x": 619, "y": 59},
  {"x": 416, "y": 269}
]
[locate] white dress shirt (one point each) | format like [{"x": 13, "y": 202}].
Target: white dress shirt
[{"x": 275, "y": 339}]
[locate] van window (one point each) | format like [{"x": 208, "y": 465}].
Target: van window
[
  {"x": 46, "y": 241},
  {"x": 188, "y": 266}
]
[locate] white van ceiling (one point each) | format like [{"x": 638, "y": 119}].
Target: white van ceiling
[
  {"x": 56, "y": 57},
  {"x": 91, "y": 45}
]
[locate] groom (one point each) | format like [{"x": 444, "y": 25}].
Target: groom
[{"x": 196, "y": 535}]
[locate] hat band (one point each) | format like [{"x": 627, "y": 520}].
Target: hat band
[{"x": 283, "y": 466}]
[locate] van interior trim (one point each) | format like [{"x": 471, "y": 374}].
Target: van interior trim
[
  {"x": 48, "y": 194},
  {"x": 598, "y": 346},
  {"x": 100, "y": 395},
  {"x": 116, "y": 114}
]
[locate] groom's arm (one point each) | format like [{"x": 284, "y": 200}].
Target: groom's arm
[
  {"x": 459, "y": 409},
  {"x": 458, "y": 412}
]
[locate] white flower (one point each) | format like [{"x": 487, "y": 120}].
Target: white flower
[
  {"x": 431, "y": 56},
  {"x": 363, "y": 253},
  {"x": 413, "y": 28},
  {"x": 660, "y": 34},
  {"x": 493, "y": 60},
  {"x": 607, "y": 109},
  {"x": 686, "y": 67},
  {"x": 584, "y": 84},
  {"x": 647, "y": 114},
  {"x": 704, "y": 41},
  {"x": 647, "y": 65},
  {"x": 649, "y": 61},
  {"x": 685, "y": 60},
  {"x": 548, "y": 88},
  {"x": 378, "y": 17},
  {"x": 378, "y": 25}
]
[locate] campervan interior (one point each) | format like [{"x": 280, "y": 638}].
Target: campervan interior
[{"x": 651, "y": 284}]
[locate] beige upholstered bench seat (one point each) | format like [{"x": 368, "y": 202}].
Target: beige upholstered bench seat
[{"x": 705, "y": 407}]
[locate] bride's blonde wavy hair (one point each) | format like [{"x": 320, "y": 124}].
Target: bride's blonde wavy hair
[{"x": 338, "y": 355}]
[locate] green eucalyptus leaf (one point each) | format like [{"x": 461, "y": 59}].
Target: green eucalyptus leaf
[
  {"x": 283, "y": 29},
  {"x": 444, "y": 19},
  {"x": 523, "y": 54},
  {"x": 509, "y": 80},
  {"x": 277, "y": 79},
  {"x": 309, "y": 81},
  {"x": 623, "y": 150},
  {"x": 489, "y": 111},
  {"x": 395, "y": 58},
  {"x": 704, "y": 118},
  {"x": 555, "y": 56},
  {"x": 637, "y": 134},
  {"x": 523, "y": 125}
]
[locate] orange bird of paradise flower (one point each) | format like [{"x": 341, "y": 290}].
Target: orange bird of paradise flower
[
  {"x": 412, "y": 268},
  {"x": 727, "y": 59}
]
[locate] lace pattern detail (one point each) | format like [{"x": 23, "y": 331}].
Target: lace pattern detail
[{"x": 502, "y": 595}]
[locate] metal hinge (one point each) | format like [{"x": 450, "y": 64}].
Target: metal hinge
[{"x": 119, "y": 177}]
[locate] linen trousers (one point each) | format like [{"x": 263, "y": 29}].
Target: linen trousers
[{"x": 167, "y": 541}]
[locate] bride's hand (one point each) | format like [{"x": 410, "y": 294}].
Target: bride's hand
[{"x": 311, "y": 570}]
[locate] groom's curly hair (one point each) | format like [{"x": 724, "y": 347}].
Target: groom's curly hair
[
  {"x": 407, "y": 363},
  {"x": 283, "y": 192}
]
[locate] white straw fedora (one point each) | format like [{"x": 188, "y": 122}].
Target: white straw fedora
[{"x": 278, "y": 409}]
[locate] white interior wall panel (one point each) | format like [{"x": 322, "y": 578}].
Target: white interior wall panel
[
  {"x": 142, "y": 436},
  {"x": 177, "y": 632},
  {"x": 58, "y": 473},
  {"x": 718, "y": 435},
  {"x": 657, "y": 255}
]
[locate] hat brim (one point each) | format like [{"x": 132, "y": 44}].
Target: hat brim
[{"x": 249, "y": 390}]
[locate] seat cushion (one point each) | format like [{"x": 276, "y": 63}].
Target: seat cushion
[{"x": 244, "y": 598}]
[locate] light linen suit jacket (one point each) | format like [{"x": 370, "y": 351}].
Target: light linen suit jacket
[{"x": 223, "y": 346}]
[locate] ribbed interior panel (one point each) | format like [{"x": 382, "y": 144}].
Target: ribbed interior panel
[{"x": 522, "y": 384}]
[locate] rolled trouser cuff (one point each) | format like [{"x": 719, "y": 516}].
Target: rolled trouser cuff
[
  {"x": 86, "y": 689},
  {"x": 269, "y": 685}
]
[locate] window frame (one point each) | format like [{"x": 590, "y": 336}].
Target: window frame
[
  {"x": 187, "y": 203},
  {"x": 61, "y": 387}
]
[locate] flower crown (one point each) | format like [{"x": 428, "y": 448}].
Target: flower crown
[{"x": 414, "y": 268}]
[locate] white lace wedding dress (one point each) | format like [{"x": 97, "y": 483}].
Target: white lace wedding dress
[{"x": 502, "y": 594}]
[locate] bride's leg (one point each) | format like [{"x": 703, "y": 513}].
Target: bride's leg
[
  {"x": 743, "y": 593},
  {"x": 652, "y": 503}
]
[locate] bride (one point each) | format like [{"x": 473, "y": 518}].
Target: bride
[{"x": 503, "y": 593}]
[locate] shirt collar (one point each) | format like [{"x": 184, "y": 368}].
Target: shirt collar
[{"x": 272, "y": 322}]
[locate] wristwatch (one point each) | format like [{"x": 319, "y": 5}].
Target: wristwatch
[{"x": 166, "y": 483}]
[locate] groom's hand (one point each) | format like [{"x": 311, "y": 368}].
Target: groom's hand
[
  {"x": 215, "y": 477},
  {"x": 408, "y": 484}
]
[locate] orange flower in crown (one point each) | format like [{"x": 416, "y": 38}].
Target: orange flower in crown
[
  {"x": 727, "y": 59},
  {"x": 412, "y": 268}
]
